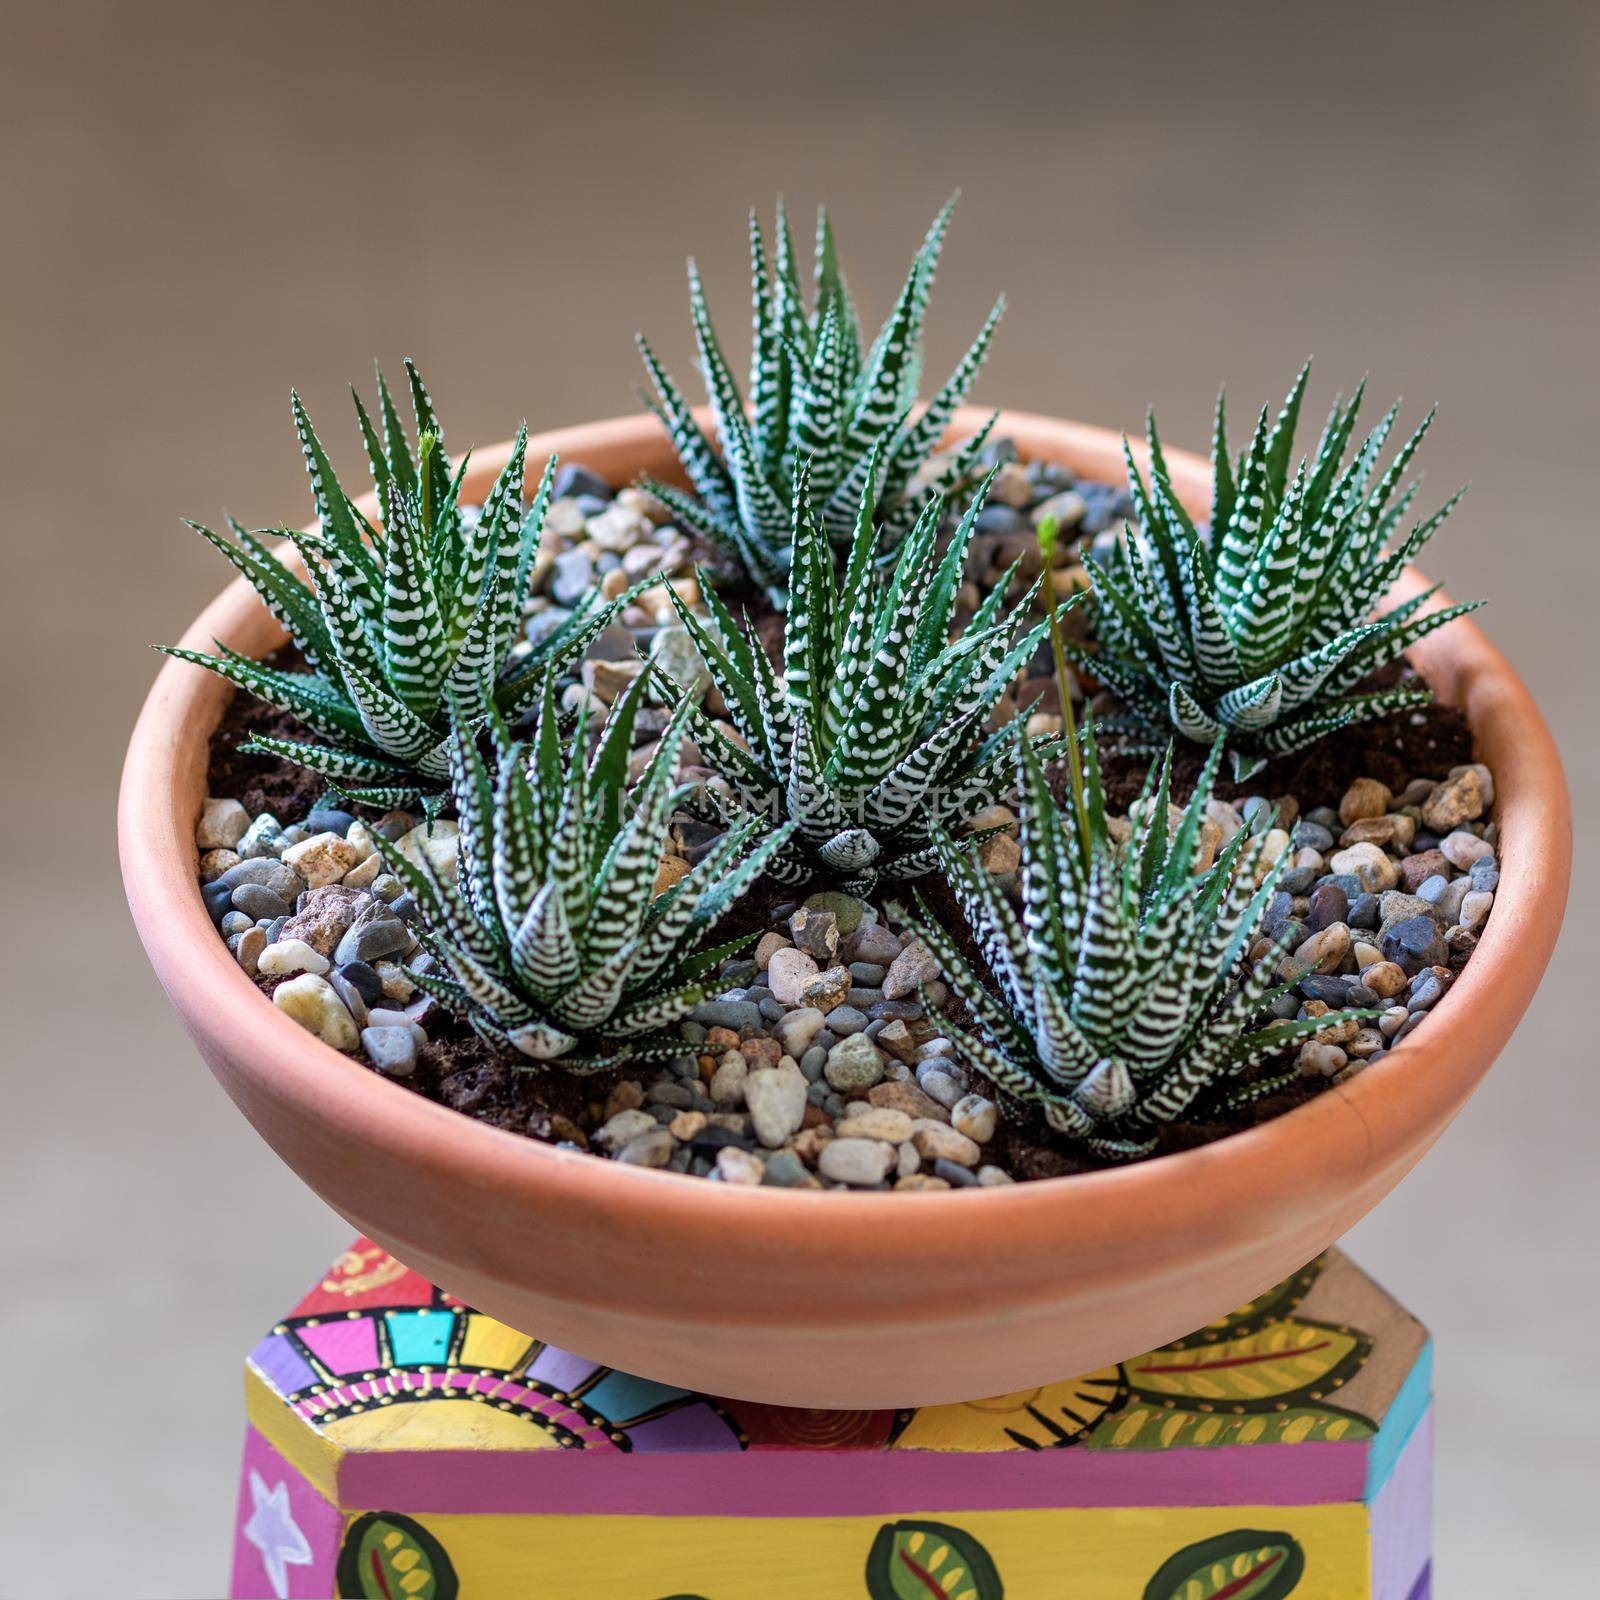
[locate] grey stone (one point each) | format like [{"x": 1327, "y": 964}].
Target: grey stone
[
  {"x": 740, "y": 1015},
  {"x": 776, "y": 1100},
  {"x": 372, "y": 939},
  {"x": 845, "y": 1020},
  {"x": 256, "y": 900},
  {"x": 785, "y": 1170},
  {"x": 393, "y": 1051},
  {"x": 572, "y": 578},
  {"x": 854, "y": 1063},
  {"x": 858, "y": 1162}
]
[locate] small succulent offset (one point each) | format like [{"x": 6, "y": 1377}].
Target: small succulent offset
[
  {"x": 399, "y": 618},
  {"x": 815, "y": 397},
  {"x": 1124, "y": 990},
  {"x": 553, "y": 939},
  {"x": 1261, "y": 632},
  {"x": 872, "y": 738}
]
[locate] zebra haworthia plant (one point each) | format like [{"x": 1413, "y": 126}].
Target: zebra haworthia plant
[
  {"x": 1261, "y": 632},
  {"x": 553, "y": 939},
  {"x": 399, "y": 616},
  {"x": 873, "y": 735},
  {"x": 1125, "y": 993},
  {"x": 817, "y": 397}
]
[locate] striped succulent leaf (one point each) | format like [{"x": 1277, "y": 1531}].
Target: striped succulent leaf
[
  {"x": 814, "y": 396},
  {"x": 554, "y": 941},
  {"x": 399, "y": 617},
  {"x": 1125, "y": 993},
  {"x": 1260, "y": 630},
  {"x": 869, "y": 736}
]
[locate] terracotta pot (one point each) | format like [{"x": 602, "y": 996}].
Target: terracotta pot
[{"x": 827, "y": 1299}]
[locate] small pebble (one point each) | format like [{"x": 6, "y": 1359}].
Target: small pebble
[
  {"x": 858, "y": 1162},
  {"x": 393, "y": 1051},
  {"x": 310, "y": 1000},
  {"x": 288, "y": 956}
]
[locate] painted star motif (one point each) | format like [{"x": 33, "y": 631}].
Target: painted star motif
[{"x": 274, "y": 1532}]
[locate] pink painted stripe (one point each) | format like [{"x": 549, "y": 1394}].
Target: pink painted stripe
[{"x": 764, "y": 1483}]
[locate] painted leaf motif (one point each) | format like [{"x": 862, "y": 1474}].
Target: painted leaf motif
[
  {"x": 1284, "y": 1362},
  {"x": 386, "y": 1556},
  {"x": 1255, "y": 1314},
  {"x": 1146, "y": 1427},
  {"x": 930, "y": 1561},
  {"x": 1245, "y": 1564}
]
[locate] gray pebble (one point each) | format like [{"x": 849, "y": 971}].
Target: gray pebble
[
  {"x": 393, "y": 1051},
  {"x": 845, "y": 1020},
  {"x": 1363, "y": 912},
  {"x": 654, "y": 1149},
  {"x": 740, "y": 1015},
  {"x": 785, "y": 1170},
  {"x": 1413, "y": 944},
  {"x": 668, "y": 1093},
  {"x": 257, "y": 900},
  {"x": 372, "y": 940},
  {"x": 354, "y": 1001},
  {"x": 363, "y": 980}
]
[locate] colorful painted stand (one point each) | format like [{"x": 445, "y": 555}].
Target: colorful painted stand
[{"x": 405, "y": 1447}]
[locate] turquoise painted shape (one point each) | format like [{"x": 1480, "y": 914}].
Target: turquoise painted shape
[{"x": 420, "y": 1338}]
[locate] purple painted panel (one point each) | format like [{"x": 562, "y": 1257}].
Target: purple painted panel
[
  {"x": 1424, "y": 1588},
  {"x": 695, "y": 1427},
  {"x": 282, "y": 1365},
  {"x": 286, "y": 1536},
  {"x": 1402, "y": 1520},
  {"x": 560, "y": 1368},
  {"x": 854, "y": 1483}
]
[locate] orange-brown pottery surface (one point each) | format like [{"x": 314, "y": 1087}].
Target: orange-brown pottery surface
[{"x": 819, "y": 1298}]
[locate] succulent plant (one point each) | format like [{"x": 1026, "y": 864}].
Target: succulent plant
[
  {"x": 873, "y": 736},
  {"x": 1261, "y": 631},
  {"x": 554, "y": 940},
  {"x": 815, "y": 397},
  {"x": 1125, "y": 993},
  {"x": 398, "y": 619}
]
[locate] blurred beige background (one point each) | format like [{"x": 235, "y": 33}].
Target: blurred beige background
[{"x": 205, "y": 203}]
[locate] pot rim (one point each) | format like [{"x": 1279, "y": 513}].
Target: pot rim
[{"x": 1332, "y": 1141}]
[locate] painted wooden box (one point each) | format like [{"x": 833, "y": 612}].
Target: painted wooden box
[{"x": 402, "y": 1446}]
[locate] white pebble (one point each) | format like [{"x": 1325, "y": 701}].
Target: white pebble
[
  {"x": 311, "y": 1001},
  {"x": 976, "y": 1117},
  {"x": 221, "y": 826},
  {"x": 289, "y": 956}
]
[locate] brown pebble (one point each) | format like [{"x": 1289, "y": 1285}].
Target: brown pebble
[
  {"x": 907, "y": 1097},
  {"x": 761, "y": 1052},
  {"x": 1366, "y": 797},
  {"x": 686, "y": 1125},
  {"x": 625, "y": 1096},
  {"x": 1416, "y": 870},
  {"x": 808, "y": 1143}
]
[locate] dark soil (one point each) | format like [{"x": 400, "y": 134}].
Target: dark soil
[{"x": 1424, "y": 742}]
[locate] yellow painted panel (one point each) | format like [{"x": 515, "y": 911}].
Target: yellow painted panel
[
  {"x": 492, "y": 1344},
  {"x": 1040, "y": 1555},
  {"x": 301, "y": 1445},
  {"x": 440, "y": 1425}
]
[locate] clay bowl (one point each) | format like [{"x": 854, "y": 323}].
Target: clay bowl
[{"x": 829, "y": 1299}]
